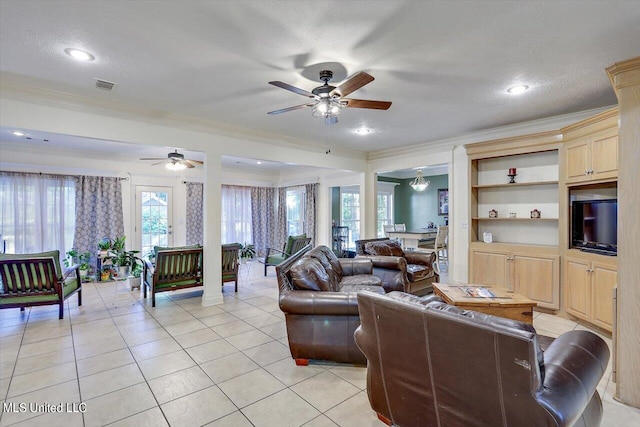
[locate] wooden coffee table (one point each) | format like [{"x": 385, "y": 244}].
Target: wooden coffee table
[{"x": 505, "y": 303}]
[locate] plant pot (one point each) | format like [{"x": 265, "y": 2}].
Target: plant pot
[
  {"x": 135, "y": 282},
  {"x": 104, "y": 276},
  {"x": 83, "y": 274},
  {"x": 123, "y": 271}
]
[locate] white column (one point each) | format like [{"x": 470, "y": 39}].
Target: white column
[
  {"x": 212, "y": 240},
  {"x": 368, "y": 205}
]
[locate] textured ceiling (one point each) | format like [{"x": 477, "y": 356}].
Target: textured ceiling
[{"x": 444, "y": 65}]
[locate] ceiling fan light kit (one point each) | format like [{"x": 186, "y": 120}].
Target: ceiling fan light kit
[
  {"x": 328, "y": 100},
  {"x": 174, "y": 161},
  {"x": 419, "y": 184}
]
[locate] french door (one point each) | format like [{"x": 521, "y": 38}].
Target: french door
[{"x": 153, "y": 217}]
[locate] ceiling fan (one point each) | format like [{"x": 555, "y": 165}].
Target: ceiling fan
[
  {"x": 328, "y": 101},
  {"x": 174, "y": 161}
]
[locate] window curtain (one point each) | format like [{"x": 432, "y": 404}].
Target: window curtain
[
  {"x": 36, "y": 212},
  {"x": 281, "y": 233},
  {"x": 263, "y": 215},
  {"x": 195, "y": 214},
  {"x": 236, "y": 214},
  {"x": 310, "y": 210},
  {"x": 98, "y": 211}
]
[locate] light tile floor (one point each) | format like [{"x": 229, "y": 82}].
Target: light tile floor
[{"x": 183, "y": 364}]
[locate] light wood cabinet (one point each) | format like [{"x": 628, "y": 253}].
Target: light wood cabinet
[
  {"x": 591, "y": 149},
  {"x": 532, "y": 273},
  {"x": 589, "y": 285}
]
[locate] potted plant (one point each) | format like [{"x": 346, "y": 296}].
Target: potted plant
[
  {"x": 104, "y": 245},
  {"x": 105, "y": 274},
  {"x": 125, "y": 260},
  {"x": 247, "y": 252},
  {"x": 135, "y": 279},
  {"x": 83, "y": 259}
]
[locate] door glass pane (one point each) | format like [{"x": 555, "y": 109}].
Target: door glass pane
[{"x": 155, "y": 220}]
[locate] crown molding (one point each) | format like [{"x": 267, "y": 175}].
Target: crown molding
[
  {"x": 518, "y": 129},
  {"x": 624, "y": 74}
]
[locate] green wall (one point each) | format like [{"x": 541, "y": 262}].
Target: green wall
[{"x": 414, "y": 208}]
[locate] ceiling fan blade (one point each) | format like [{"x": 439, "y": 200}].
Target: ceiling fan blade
[
  {"x": 292, "y": 89},
  {"x": 365, "y": 103},
  {"x": 158, "y": 163},
  {"x": 284, "y": 110},
  {"x": 153, "y": 158},
  {"x": 188, "y": 164},
  {"x": 353, "y": 84},
  {"x": 198, "y": 162}
]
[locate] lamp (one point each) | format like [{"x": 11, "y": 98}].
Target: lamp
[
  {"x": 419, "y": 184},
  {"x": 328, "y": 108},
  {"x": 175, "y": 165}
]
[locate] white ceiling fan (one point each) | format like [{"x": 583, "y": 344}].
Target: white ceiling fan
[{"x": 174, "y": 161}]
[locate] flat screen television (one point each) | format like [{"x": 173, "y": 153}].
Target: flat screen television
[{"x": 594, "y": 226}]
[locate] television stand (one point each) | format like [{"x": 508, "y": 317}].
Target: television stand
[{"x": 599, "y": 251}]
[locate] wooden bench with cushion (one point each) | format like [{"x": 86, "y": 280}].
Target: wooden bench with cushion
[
  {"x": 174, "y": 269},
  {"x": 28, "y": 280}
]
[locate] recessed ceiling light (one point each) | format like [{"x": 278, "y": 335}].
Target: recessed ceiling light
[
  {"x": 517, "y": 90},
  {"x": 363, "y": 131},
  {"x": 259, "y": 162},
  {"x": 17, "y": 133},
  {"x": 79, "y": 55}
]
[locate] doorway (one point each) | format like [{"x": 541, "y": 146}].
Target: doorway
[{"x": 153, "y": 217}]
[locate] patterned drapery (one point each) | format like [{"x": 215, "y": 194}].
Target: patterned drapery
[
  {"x": 98, "y": 211},
  {"x": 282, "y": 231},
  {"x": 263, "y": 216},
  {"x": 310, "y": 193},
  {"x": 195, "y": 213}
]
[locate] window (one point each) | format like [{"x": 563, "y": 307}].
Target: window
[
  {"x": 236, "y": 215},
  {"x": 385, "y": 211},
  {"x": 350, "y": 212},
  {"x": 385, "y": 206},
  {"x": 37, "y": 212},
  {"x": 295, "y": 211}
]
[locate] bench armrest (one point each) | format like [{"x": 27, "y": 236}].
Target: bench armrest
[{"x": 68, "y": 271}]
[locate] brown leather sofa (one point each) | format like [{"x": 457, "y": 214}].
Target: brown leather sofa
[
  {"x": 433, "y": 364},
  {"x": 411, "y": 271},
  {"x": 318, "y": 295}
]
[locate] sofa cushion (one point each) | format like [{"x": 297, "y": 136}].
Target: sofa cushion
[
  {"x": 417, "y": 272},
  {"x": 330, "y": 262},
  {"x": 360, "y": 279},
  {"x": 385, "y": 248},
  {"x": 356, "y": 288},
  {"x": 309, "y": 274}
]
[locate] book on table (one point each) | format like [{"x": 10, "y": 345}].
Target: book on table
[{"x": 478, "y": 292}]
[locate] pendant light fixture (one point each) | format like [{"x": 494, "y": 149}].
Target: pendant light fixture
[{"x": 419, "y": 184}]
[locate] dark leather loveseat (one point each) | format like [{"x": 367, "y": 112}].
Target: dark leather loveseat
[
  {"x": 318, "y": 295},
  {"x": 411, "y": 271},
  {"x": 433, "y": 364}
]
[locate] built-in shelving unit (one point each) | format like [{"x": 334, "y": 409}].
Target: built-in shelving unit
[{"x": 520, "y": 244}]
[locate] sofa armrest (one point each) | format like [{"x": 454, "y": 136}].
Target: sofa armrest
[
  {"x": 354, "y": 266},
  {"x": 574, "y": 364},
  {"x": 319, "y": 302},
  {"x": 420, "y": 258}
]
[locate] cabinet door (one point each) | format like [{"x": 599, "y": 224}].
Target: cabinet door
[
  {"x": 577, "y": 160},
  {"x": 604, "y": 278},
  {"x": 488, "y": 268},
  {"x": 538, "y": 278},
  {"x": 604, "y": 156},
  {"x": 578, "y": 287}
]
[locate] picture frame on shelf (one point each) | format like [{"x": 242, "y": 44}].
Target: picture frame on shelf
[{"x": 443, "y": 201}]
